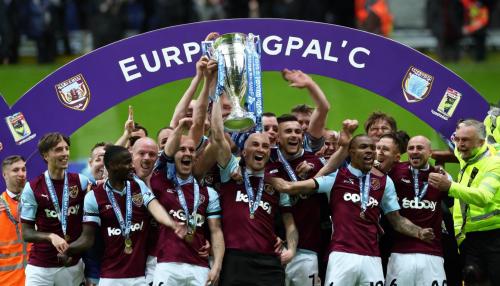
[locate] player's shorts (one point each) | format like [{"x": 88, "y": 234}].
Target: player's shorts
[
  {"x": 54, "y": 276},
  {"x": 250, "y": 268},
  {"x": 303, "y": 269},
  {"x": 174, "y": 273},
  {"x": 415, "y": 269},
  {"x": 348, "y": 269},
  {"x": 136, "y": 281},
  {"x": 150, "y": 269}
]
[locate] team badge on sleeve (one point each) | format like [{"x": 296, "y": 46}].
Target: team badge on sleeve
[
  {"x": 19, "y": 128},
  {"x": 416, "y": 85},
  {"x": 74, "y": 93}
]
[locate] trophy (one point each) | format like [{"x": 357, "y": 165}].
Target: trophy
[{"x": 239, "y": 75}]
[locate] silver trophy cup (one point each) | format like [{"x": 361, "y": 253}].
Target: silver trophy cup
[{"x": 231, "y": 49}]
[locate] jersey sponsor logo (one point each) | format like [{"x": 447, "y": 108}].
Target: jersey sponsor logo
[
  {"x": 107, "y": 207},
  {"x": 73, "y": 192},
  {"x": 113, "y": 231},
  {"x": 273, "y": 171},
  {"x": 181, "y": 215},
  {"x": 348, "y": 181},
  {"x": 356, "y": 198},
  {"x": 418, "y": 205},
  {"x": 73, "y": 210},
  {"x": 137, "y": 200},
  {"x": 170, "y": 191},
  {"x": 242, "y": 197},
  {"x": 405, "y": 180},
  {"x": 74, "y": 93}
]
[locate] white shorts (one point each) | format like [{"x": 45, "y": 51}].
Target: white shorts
[
  {"x": 150, "y": 269},
  {"x": 348, "y": 269},
  {"x": 54, "y": 276},
  {"x": 136, "y": 281},
  {"x": 303, "y": 269},
  {"x": 415, "y": 269},
  {"x": 180, "y": 274}
]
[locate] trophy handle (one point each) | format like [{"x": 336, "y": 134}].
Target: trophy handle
[
  {"x": 207, "y": 48},
  {"x": 255, "y": 39}
]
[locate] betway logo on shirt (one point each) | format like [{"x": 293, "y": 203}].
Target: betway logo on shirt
[
  {"x": 181, "y": 215},
  {"x": 242, "y": 197},
  {"x": 73, "y": 210},
  {"x": 414, "y": 204},
  {"x": 112, "y": 231},
  {"x": 356, "y": 198}
]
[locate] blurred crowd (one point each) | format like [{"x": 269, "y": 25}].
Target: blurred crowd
[{"x": 48, "y": 22}]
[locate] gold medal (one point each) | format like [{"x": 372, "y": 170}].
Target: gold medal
[
  {"x": 362, "y": 215},
  {"x": 128, "y": 242},
  {"x": 252, "y": 216},
  {"x": 128, "y": 250},
  {"x": 189, "y": 236},
  {"x": 66, "y": 237}
]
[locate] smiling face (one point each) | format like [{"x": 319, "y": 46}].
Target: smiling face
[
  {"x": 467, "y": 140},
  {"x": 163, "y": 137},
  {"x": 256, "y": 152},
  {"x": 362, "y": 152},
  {"x": 303, "y": 119},
  {"x": 96, "y": 163},
  {"x": 57, "y": 157},
  {"x": 270, "y": 125},
  {"x": 184, "y": 157},
  {"x": 379, "y": 128},
  {"x": 15, "y": 176},
  {"x": 387, "y": 154},
  {"x": 419, "y": 151},
  {"x": 144, "y": 155},
  {"x": 331, "y": 143},
  {"x": 290, "y": 137}
]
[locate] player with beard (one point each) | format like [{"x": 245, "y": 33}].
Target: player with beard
[
  {"x": 179, "y": 192},
  {"x": 51, "y": 215},
  {"x": 120, "y": 208},
  {"x": 249, "y": 210},
  {"x": 414, "y": 262},
  {"x": 294, "y": 163},
  {"x": 358, "y": 193}
]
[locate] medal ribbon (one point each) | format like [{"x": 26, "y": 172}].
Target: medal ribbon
[
  {"x": 286, "y": 165},
  {"x": 62, "y": 216},
  {"x": 254, "y": 77},
  {"x": 419, "y": 194},
  {"x": 364, "y": 190},
  {"x": 253, "y": 202},
  {"x": 125, "y": 225},
  {"x": 190, "y": 218}
]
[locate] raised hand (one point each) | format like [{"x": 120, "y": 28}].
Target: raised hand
[
  {"x": 129, "y": 124},
  {"x": 297, "y": 78},
  {"x": 348, "y": 128}
]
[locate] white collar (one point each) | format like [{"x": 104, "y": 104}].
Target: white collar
[
  {"x": 186, "y": 181},
  {"x": 356, "y": 172},
  {"x": 294, "y": 156},
  {"x": 11, "y": 194},
  {"x": 252, "y": 173}
]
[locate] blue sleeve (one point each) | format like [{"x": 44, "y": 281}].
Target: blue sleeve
[
  {"x": 312, "y": 144},
  {"x": 389, "y": 199},
  {"x": 285, "y": 200},
  {"x": 225, "y": 173},
  {"x": 29, "y": 205},
  {"x": 147, "y": 194},
  {"x": 326, "y": 183},
  {"x": 84, "y": 182},
  {"x": 213, "y": 209},
  {"x": 90, "y": 209}
]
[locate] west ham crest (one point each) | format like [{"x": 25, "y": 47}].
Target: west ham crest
[
  {"x": 269, "y": 189},
  {"x": 416, "y": 85},
  {"x": 137, "y": 200},
  {"x": 74, "y": 93},
  {"x": 375, "y": 184},
  {"x": 73, "y": 192}
]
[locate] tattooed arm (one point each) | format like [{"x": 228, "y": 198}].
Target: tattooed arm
[{"x": 406, "y": 227}]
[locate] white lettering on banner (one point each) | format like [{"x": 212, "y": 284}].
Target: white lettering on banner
[
  {"x": 242, "y": 197},
  {"x": 73, "y": 210},
  {"x": 272, "y": 45},
  {"x": 112, "y": 231},
  {"x": 356, "y": 198},
  {"x": 418, "y": 205},
  {"x": 181, "y": 215}
]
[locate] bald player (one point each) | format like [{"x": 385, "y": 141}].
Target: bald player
[{"x": 144, "y": 156}]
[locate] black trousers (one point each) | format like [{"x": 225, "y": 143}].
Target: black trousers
[
  {"x": 241, "y": 268},
  {"x": 481, "y": 250}
]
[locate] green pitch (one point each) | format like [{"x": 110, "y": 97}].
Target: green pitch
[{"x": 153, "y": 109}]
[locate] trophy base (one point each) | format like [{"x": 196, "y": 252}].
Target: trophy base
[{"x": 238, "y": 124}]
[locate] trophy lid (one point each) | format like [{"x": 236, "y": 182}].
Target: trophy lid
[{"x": 230, "y": 38}]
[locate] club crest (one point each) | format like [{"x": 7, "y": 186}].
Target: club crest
[
  {"x": 269, "y": 189},
  {"x": 416, "y": 85},
  {"x": 375, "y": 184},
  {"x": 73, "y": 192},
  {"x": 74, "y": 93},
  {"x": 19, "y": 128},
  {"x": 202, "y": 198},
  {"x": 137, "y": 199}
]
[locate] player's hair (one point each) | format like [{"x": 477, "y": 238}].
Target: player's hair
[
  {"x": 11, "y": 160},
  {"x": 268, "y": 114},
  {"x": 97, "y": 145},
  {"x": 356, "y": 138},
  {"x": 50, "y": 140},
  {"x": 400, "y": 138},
  {"x": 138, "y": 127},
  {"x": 163, "y": 128},
  {"x": 286, "y": 118},
  {"x": 302, "y": 108},
  {"x": 378, "y": 115},
  {"x": 111, "y": 153},
  {"x": 478, "y": 125}
]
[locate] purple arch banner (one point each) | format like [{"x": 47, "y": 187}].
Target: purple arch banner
[{"x": 91, "y": 84}]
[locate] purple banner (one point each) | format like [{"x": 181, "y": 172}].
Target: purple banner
[{"x": 91, "y": 84}]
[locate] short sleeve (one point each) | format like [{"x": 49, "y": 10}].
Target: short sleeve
[
  {"x": 91, "y": 209},
  {"x": 84, "y": 181},
  {"x": 312, "y": 144},
  {"x": 225, "y": 173},
  {"x": 29, "y": 204},
  {"x": 389, "y": 199},
  {"x": 147, "y": 194},
  {"x": 325, "y": 183},
  {"x": 213, "y": 209}
]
